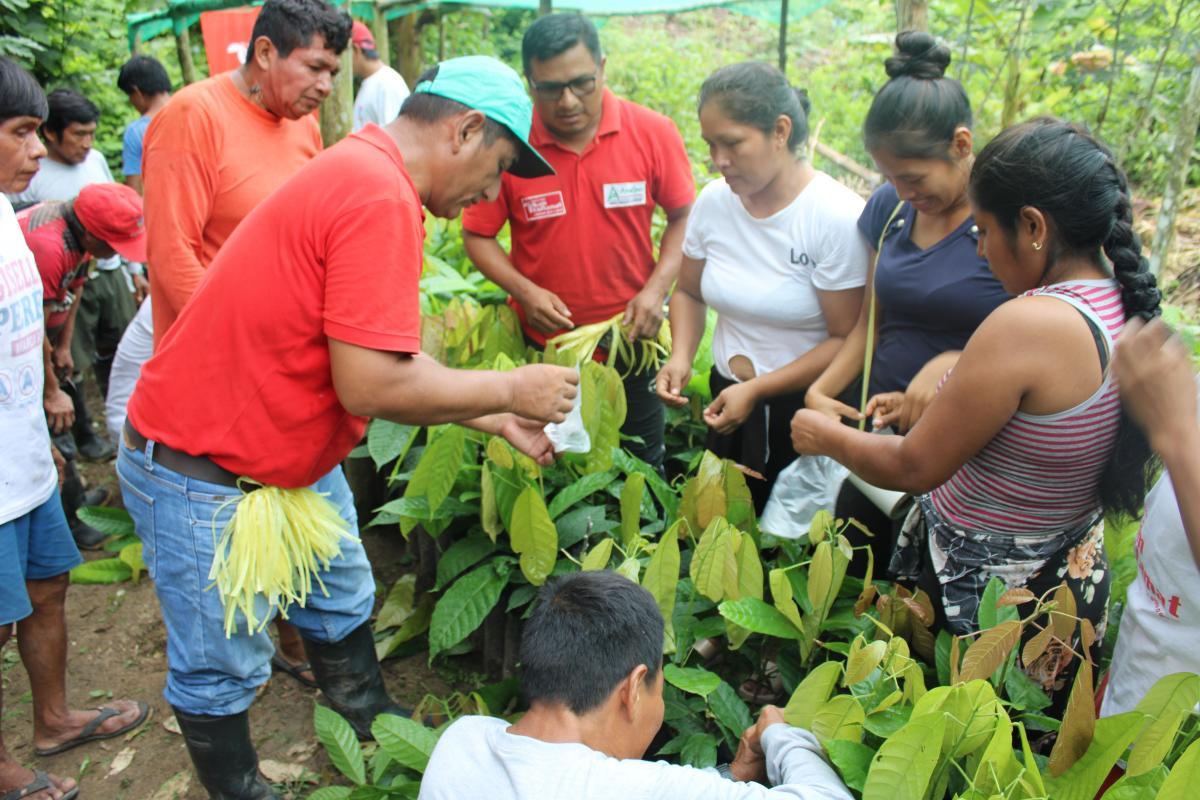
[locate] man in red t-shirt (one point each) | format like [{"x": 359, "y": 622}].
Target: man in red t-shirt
[
  {"x": 308, "y": 323},
  {"x": 581, "y": 245},
  {"x": 103, "y": 220}
]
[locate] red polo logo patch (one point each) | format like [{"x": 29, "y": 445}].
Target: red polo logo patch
[{"x": 544, "y": 206}]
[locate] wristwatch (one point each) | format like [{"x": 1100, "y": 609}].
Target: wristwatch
[{"x": 726, "y": 772}]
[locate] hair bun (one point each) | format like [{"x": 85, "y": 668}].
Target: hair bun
[
  {"x": 918, "y": 55},
  {"x": 805, "y": 103}
]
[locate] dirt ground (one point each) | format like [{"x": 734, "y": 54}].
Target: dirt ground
[{"x": 117, "y": 649}]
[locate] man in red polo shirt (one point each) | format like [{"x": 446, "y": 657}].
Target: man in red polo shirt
[{"x": 581, "y": 246}]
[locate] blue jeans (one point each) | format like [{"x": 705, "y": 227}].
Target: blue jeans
[{"x": 209, "y": 673}]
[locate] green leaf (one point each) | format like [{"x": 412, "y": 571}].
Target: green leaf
[
  {"x": 811, "y": 694},
  {"x": 131, "y": 555},
  {"x": 989, "y": 614},
  {"x": 987, "y": 653},
  {"x": 340, "y": 743},
  {"x": 461, "y": 556},
  {"x": 103, "y": 570},
  {"x": 489, "y": 509},
  {"x": 714, "y": 565},
  {"x": 1166, "y": 705},
  {"x": 905, "y": 762},
  {"x": 1112, "y": 736},
  {"x": 852, "y": 760},
  {"x": 749, "y": 568},
  {"x": 631, "y": 568},
  {"x": 781, "y": 596},
  {"x": 464, "y": 606},
  {"x": 758, "y": 617},
  {"x": 437, "y": 471},
  {"x": 699, "y": 750},
  {"x": 631, "y": 508},
  {"x": 603, "y": 410},
  {"x": 841, "y": 717},
  {"x": 109, "y": 521},
  {"x": 693, "y": 680},
  {"x": 885, "y": 723},
  {"x": 399, "y": 604},
  {"x": 729, "y": 709},
  {"x": 739, "y": 505},
  {"x": 579, "y": 490},
  {"x": 1023, "y": 692},
  {"x": 388, "y": 441},
  {"x": 667, "y": 497},
  {"x": 407, "y": 742},
  {"x": 661, "y": 578},
  {"x": 533, "y": 536},
  {"x": 820, "y": 578},
  {"x": 580, "y": 523},
  {"x": 411, "y": 628},
  {"x": 331, "y": 793},
  {"x": 1184, "y": 777},
  {"x": 1139, "y": 787},
  {"x": 863, "y": 660},
  {"x": 598, "y": 558}
]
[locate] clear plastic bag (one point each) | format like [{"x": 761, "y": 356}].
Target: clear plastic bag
[
  {"x": 807, "y": 485},
  {"x": 570, "y": 436}
]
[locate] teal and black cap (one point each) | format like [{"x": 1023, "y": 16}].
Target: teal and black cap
[{"x": 490, "y": 86}]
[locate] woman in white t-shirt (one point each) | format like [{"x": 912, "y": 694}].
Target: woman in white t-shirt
[
  {"x": 1162, "y": 608},
  {"x": 774, "y": 248}
]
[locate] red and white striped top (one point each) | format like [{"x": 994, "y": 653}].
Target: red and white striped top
[{"x": 1041, "y": 473}]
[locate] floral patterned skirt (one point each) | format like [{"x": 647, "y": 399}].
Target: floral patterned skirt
[{"x": 964, "y": 561}]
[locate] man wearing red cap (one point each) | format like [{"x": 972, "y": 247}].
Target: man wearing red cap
[
  {"x": 103, "y": 220},
  {"x": 382, "y": 90}
]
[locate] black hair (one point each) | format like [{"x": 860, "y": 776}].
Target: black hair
[
  {"x": 65, "y": 107},
  {"x": 20, "y": 94},
  {"x": 555, "y": 34},
  {"x": 918, "y": 110},
  {"x": 1072, "y": 178},
  {"x": 757, "y": 94},
  {"x": 289, "y": 24},
  {"x": 588, "y": 631},
  {"x": 429, "y": 108},
  {"x": 144, "y": 74}
]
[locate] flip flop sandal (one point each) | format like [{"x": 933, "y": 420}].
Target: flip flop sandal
[
  {"x": 280, "y": 664},
  {"x": 40, "y": 783},
  {"x": 88, "y": 734}
]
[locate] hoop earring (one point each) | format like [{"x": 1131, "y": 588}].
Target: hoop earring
[{"x": 1037, "y": 245}]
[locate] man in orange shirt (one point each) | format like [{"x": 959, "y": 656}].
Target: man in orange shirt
[{"x": 220, "y": 146}]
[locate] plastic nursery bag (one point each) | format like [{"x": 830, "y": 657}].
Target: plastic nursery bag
[
  {"x": 807, "y": 485},
  {"x": 569, "y": 436}
]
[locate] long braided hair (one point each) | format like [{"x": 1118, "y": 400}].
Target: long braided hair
[{"x": 1071, "y": 177}]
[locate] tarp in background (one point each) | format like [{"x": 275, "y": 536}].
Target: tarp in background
[{"x": 178, "y": 15}]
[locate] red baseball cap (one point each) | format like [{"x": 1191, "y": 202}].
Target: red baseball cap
[
  {"x": 361, "y": 35},
  {"x": 112, "y": 212}
]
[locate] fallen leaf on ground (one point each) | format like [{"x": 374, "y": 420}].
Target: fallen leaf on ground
[
  {"x": 122, "y": 760},
  {"x": 175, "y": 788},
  {"x": 282, "y": 772},
  {"x": 172, "y": 725},
  {"x": 301, "y": 751}
]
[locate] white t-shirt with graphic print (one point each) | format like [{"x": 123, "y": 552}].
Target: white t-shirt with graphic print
[
  {"x": 761, "y": 275},
  {"x": 27, "y": 472}
]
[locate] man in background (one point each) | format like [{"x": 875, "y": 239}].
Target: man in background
[
  {"x": 144, "y": 81},
  {"x": 382, "y": 90}
]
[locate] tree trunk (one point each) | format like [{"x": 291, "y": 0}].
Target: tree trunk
[
  {"x": 1116, "y": 66},
  {"x": 912, "y": 15},
  {"x": 545, "y": 7},
  {"x": 783, "y": 26},
  {"x": 1178, "y": 160},
  {"x": 379, "y": 28},
  {"x": 337, "y": 112},
  {"x": 1012, "y": 86},
  {"x": 183, "y": 48},
  {"x": 408, "y": 53}
]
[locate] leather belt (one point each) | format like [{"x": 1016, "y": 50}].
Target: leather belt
[{"x": 197, "y": 467}]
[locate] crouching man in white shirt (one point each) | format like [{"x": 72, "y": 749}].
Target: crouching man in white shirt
[{"x": 591, "y": 660}]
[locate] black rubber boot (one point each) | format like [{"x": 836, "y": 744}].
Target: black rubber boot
[
  {"x": 349, "y": 676},
  {"x": 224, "y": 756}
]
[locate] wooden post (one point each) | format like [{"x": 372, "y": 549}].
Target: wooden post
[
  {"x": 183, "y": 49},
  {"x": 912, "y": 15},
  {"x": 545, "y": 7},
  {"x": 337, "y": 112},
  {"x": 379, "y": 29},
  {"x": 408, "y": 53},
  {"x": 441, "y": 23},
  {"x": 783, "y": 25},
  {"x": 1177, "y": 168}
]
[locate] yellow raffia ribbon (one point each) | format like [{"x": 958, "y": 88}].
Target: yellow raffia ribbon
[
  {"x": 275, "y": 545},
  {"x": 578, "y": 345}
]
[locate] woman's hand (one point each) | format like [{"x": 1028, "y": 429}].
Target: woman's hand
[
  {"x": 834, "y": 409},
  {"x": 732, "y": 407},
  {"x": 809, "y": 431},
  {"x": 1157, "y": 381},
  {"x": 885, "y": 409},
  {"x": 671, "y": 380}
]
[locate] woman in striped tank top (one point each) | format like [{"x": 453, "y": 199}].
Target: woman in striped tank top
[{"x": 1025, "y": 447}]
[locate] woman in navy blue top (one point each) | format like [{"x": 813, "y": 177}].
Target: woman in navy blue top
[{"x": 932, "y": 288}]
